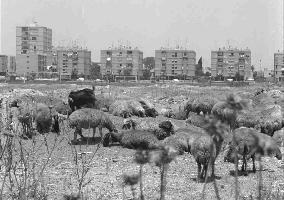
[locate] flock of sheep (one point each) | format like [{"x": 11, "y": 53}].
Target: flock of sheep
[{"x": 253, "y": 126}]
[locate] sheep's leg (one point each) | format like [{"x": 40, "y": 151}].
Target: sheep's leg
[
  {"x": 213, "y": 170},
  {"x": 94, "y": 132},
  {"x": 253, "y": 164},
  {"x": 205, "y": 168},
  {"x": 101, "y": 132},
  {"x": 198, "y": 172}
]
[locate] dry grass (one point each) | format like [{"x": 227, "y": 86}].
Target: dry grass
[{"x": 105, "y": 168}]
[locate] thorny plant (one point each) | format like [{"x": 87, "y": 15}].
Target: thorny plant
[
  {"x": 25, "y": 163},
  {"x": 216, "y": 129},
  {"x": 161, "y": 158},
  {"x": 83, "y": 162}
]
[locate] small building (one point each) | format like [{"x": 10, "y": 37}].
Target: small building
[
  {"x": 174, "y": 63},
  {"x": 7, "y": 65},
  {"x": 279, "y": 66},
  {"x": 227, "y": 63},
  {"x": 122, "y": 61}
]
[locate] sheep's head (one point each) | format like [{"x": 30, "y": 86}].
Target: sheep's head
[
  {"x": 128, "y": 124},
  {"x": 229, "y": 154},
  {"x": 166, "y": 125}
]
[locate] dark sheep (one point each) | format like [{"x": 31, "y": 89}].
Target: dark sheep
[{"x": 84, "y": 98}]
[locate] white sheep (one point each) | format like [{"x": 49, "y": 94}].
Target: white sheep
[{"x": 90, "y": 118}]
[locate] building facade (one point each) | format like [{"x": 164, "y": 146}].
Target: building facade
[
  {"x": 279, "y": 66},
  {"x": 174, "y": 63},
  {"x": 227, "y": 63},
  {"x": 33, "y": 49},
  {"x": 73, "y": 62},
  {"x": 7, "y": 65},
  {"x": 122, "y": 61}
]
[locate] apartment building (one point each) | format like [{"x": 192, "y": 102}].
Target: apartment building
[
  {"x": 227, "y": 63},
  {"x": 279, "y": 66},
  {"x": 122, "y": 61},
  {"x": 174, "y": 63},
  {"x": 7, "y": 65},
  {"x": 74, "y": 60},
  {"x": 33, "y": 48}
]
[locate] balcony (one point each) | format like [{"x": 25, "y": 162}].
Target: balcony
[{"x": 163, "y": 58}]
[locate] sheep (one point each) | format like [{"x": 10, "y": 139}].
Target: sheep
[
  {"x": 90, "y": 118},
  {"x": 266, "y": 119},
  {"x": 206, "y": 147},
  {"x": 250, "y": 142},
  {"x": 181, "y": 111},
  {"x": 196, "y": 120},
  {"x": 183, "y": 138},
  {"x": 204, "y": 104},
  {"x": 161, "y": 129},
  {"x": 44, "y": 117},
  {"x": 149, "y": 108},
  {"x": 127, "y": 108},
  {"x": 63, "y": 108},
  {"x": 133, "y": 139},
  {"x": 120, "y": 108}
]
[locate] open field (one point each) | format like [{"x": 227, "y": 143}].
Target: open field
[{"x": 109, "y": 163}]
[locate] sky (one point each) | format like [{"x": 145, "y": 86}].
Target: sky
[{"x": 199, "y": 25}]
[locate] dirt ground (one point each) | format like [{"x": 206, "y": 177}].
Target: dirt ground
[{"x": 110, "y": 163}]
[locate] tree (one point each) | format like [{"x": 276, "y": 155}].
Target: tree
[
  {"x": 95, "y": 71},
  {"x": 238, "y": 77},
  {"x": 207, "y": 74},
  {"x": 198, "y": 68},
  {"x": 149, "y": 64},
  {"x": 127, "y": 71},
  {"x": 74, "y": 74}
]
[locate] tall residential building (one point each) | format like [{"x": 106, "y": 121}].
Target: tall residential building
[
  {"x": 7, "y": 65},
  {"x": 229, "y": 62},
  {"x": 175, "y": 62},
  {"x": 279, "y": 66},
  {"x": 122, "y": 61},
  {"x": 75, "y": 60},
  {"x": 33, "y": 49}
]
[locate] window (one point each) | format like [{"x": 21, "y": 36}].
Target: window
[
  {"x": 231, "y": 54},
  {"x": 163, "y": 64},
  {"x": 109, "y": 53},
  {"x": 220, "y": 59},
  {"x": 34, "y": 47},
  {"x": 220, "y": 53},
  {"x": 24, "y": 51},
  {"x": 184, "y": 54},
  {"x": 33, "y": 38},
  {"x": 129, "y": 52},
  {"x": 28, "y": 61}
]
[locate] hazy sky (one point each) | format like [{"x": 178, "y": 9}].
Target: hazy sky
[{"x": 201, "y": 25}]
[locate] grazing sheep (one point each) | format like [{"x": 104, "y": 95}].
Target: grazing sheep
[
  {"x": 183, "y": 138},
  {"x": 90, "y": 118},
  {"x": 160, "y": 129},
  {"x": 133, "y": 139},
  {"x": 181, "y": 111},
  {"x": 120, "y": 108},
  {"x": 149, "y": 108},
  {"x": 196, "y": 120},
  {"x": 136, "y": 108},
  {"x": 63, "y": 108},
  {"x": 267, "y": 119},
  {"x": 204, "y": 104},
  {"x": 127, "y": 108},
  {"x": 206, "y": 148},
  {"x": 250, "y": 142}
]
